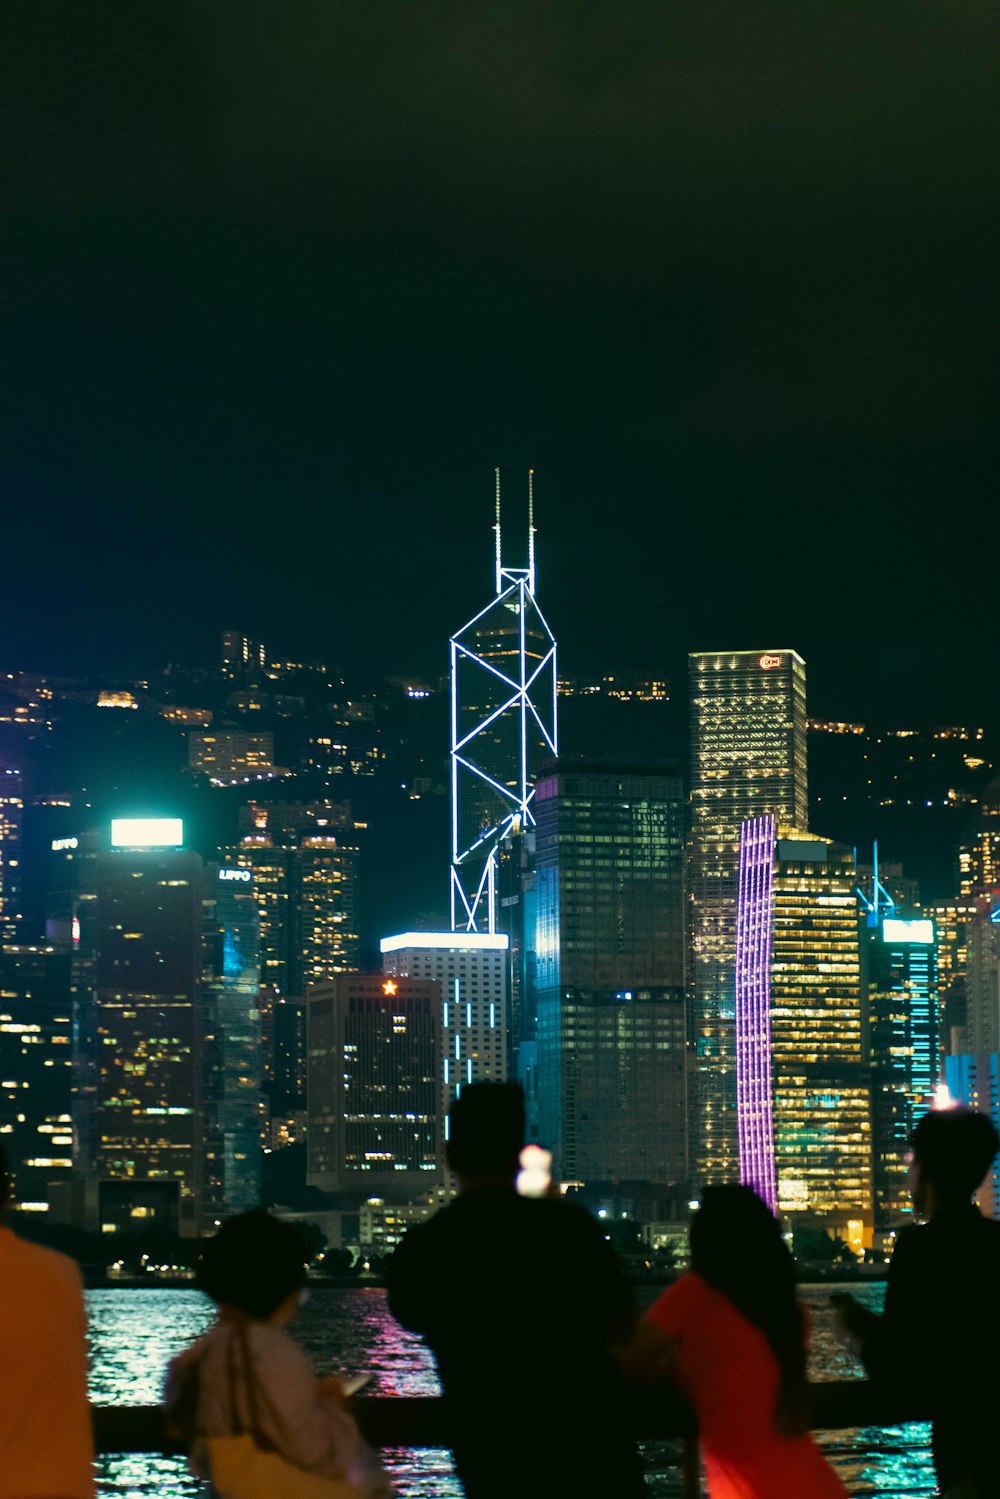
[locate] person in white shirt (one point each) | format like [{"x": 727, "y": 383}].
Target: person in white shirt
[{"x": 248, "y": 1375}]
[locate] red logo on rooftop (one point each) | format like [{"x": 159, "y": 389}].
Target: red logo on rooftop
[{"x": 767, "y": 662}]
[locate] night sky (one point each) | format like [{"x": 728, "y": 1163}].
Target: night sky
[{"x": 283, "y": 282}]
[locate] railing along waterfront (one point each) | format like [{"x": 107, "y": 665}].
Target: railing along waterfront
[{"x": 422, "y": 1420}]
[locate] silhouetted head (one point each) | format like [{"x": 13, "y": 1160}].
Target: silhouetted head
[
  {"x": 486, "y": 1131},
  {"x": 4, "y": 1181},
  {"x": 254, "y": 1263},
  {"x": 736, "y": 1245},
  {"x": 733, "y": 1225},
  {"x": 952, "y": 1151}
]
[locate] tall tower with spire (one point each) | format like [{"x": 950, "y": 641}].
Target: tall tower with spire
[{"x": 503, "y": 727}]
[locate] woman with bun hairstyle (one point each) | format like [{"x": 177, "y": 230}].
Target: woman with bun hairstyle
[{"x": 247, "y": 1377}]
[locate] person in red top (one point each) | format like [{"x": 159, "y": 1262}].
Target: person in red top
[{"x": 732, "y": 1335}]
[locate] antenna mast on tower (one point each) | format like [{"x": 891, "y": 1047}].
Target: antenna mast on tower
[
  {"x": 496, "y": 530},
  {"x": 531, "y": 529}
]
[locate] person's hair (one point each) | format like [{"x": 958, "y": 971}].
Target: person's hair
[
  {"x": 4, "y": 1179},
  {"x": 954, "y": 1149},
  {"x": 486, "y": 1128},
  {"x": 254, "y": 1262},
  {"x": 736, "y": 1245}
]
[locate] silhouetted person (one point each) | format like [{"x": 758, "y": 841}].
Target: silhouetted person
[
  {"x": 248, "y": 1376},
  {"x": 732, "y": 1334},
  {"x": 46, "y": 1446},
  {"x": 940, "y": 1331},
  {"x": 519, "y": 1298}
]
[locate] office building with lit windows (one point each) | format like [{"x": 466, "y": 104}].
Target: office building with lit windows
[
  {"x": 302, "y": 861},
  {"x": 227, "y": 756},
  {"x": 979, "y": 856},
  {"x": 801, "y": 1074},
  {"x": 140, "y": 924},
  {"x": 973, "y": 1080},
  {"x": 307, "y": 901},
  {"x": 470, "y": 970},
  {"x": 903, "y": 1018},
  {"x": 283, "y": 1048},
  {"x": 373, "y": 1085},
  {"x": 166, "y": 1025},
  {"x": 240, "y": 656},
  {"x": 36, "y": 1077},
  {"x": 748, "y": 759},
  {"x": 608, "y": 964},
  {"x": 11, "y": 815},
  {"x": 952, "y": 920},
  {"x": 981, "y": 1032},
  {"x": 230, "y": 1072}
]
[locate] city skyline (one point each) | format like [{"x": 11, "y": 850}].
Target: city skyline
[{"x": 498, "y": 590}]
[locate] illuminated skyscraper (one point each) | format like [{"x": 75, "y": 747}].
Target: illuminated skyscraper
[
  {"x": 231, "y": 1064},
  {"x": 952, "y": 920},
  {"x": 904, "y": 1030},
  {"x": 981, "y": 1032},
  {"x": 227, "y": 756},
  {"x": 307, "y": 901},
  {"x": 748, "y": 759},
  {"x": 239, "y": 656},
  {"x": 471, "y": 972},
  {"x": 36, "y": 1034},
  {"x": 166, "y": 1025},
  {"x": 802, "y": 1083},
  {"x": 373, "y": 1084},
  {"x": 303, "y": 872},
  {"x": 11, "y": 812},
  {"x": 145, "y": 926},
  {"x": 973, "y": 1080},
  {"x": 503, "y": 726},
  {"x": 979, "y": 857},
  {"x": 608, "y": 952}
]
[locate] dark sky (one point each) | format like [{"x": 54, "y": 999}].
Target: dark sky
[{"x": 282, "y": 282}]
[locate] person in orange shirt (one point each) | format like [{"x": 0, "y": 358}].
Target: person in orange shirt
[
  {"x": 733, "y": 1337},
  {"x": 46, "y": 1445}
]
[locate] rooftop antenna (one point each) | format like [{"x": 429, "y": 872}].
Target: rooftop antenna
[
  {"x": 531, "y": 530},
  {"x": 880, "y": 903},
  {"x": 496, "y": 532}
]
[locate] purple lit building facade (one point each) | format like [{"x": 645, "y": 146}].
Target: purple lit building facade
[{"x": 753, "y": 1008}]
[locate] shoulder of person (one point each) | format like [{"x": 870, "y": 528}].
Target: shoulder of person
[
  {"x": 688, "y": 1287},
  {"x": 672, "y": 1309},
  {"x": 275, "y": 1345},
  {"x": 49, "y": 1264},
  {"x": 417, "y": 1241},
  {"x": 910, "y": 1241},
  {"x": 570, "y": 1216}
]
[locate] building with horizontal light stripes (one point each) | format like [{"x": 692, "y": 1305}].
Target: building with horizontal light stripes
[
  {"x": 803, "y": 1082},
  {"x": 471, "y": 971}
]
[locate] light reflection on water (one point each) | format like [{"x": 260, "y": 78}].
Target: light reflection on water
[{"x": 134, "y": 1332}]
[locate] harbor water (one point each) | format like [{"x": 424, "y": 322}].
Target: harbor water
[{"x": 135, "y": 1331}]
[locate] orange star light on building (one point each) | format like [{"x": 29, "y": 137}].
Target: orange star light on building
[{"x": 389, "y": 987}]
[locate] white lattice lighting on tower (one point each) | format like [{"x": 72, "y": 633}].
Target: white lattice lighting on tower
[{"x": 503, "y": 726}]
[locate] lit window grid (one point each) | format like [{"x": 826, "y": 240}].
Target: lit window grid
[
  {"x": 748, "y": 756},
  {"x": 754, "y": 1102}
]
